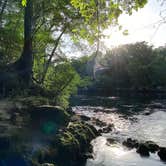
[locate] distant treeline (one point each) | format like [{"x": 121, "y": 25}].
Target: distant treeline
[{"x": 136, "y": 66}]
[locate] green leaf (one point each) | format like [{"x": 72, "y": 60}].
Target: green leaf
[{"x": 24, "y": 2}]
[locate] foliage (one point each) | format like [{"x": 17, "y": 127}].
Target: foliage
[
  {"x": 134, "y": 66},
  {"x": 11, "y": 32},
  {"x": 24, "y": 2},
  {"x": 50, "y": 20},
  {"x": 81, "y": 66},
  {"x": 73, "y": 142},
  {"x": 62, "y": 80},
  {"x": 100, "y": 14}
]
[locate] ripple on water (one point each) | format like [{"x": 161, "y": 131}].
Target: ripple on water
[
  {"x": 117, "y": 155},
  {"x": 137, "y": 125}
]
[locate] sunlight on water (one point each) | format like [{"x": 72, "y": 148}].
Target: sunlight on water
[
  {"x": 130, "y": 121},
  {"x": 117, "y": 155}
]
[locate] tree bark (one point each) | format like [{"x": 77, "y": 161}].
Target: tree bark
[{"x": 25, "y": 63}]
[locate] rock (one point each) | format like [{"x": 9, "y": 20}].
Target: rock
[
  {"x": 152, "y": 146},
  {"x": 143, "y": 150},
  {"x": 110, "y": 141},
  {"x": 85, "y": 118},
  {"x": 131, "y": 143},
  {"x": 100, "y": 131},
  {"x": 162, "y": 153},
  {"x": 99, "y": 123},
  {"x": 107, "y": 129},
  {"x": 147, "y": 112},
  {"x": 88, "y": 156},
  {"x": 46, "y": 113},
  {"x": 71, "y": 145}
]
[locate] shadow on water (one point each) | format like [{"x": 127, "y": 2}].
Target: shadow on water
[{"x": 124, "y": 104}]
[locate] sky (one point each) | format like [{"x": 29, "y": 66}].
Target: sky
[{"x": 141, "y": 25}]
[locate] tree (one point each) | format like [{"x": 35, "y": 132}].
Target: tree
[
  {"x": 81, "y": 19},
  {"x": 25, "y": 63},
  {"x": 87, "y": 16}
]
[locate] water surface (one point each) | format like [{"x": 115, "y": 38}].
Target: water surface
[{"x": 142, "y": 118}]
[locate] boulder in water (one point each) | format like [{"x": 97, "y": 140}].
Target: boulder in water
[
  {"x": 143, "y": 150},
  {"x": 99, "y": 123},
  {"x": 152, "y": 146},
  {"x": 110, "y": 141},
  {"x": 131, "y": 143},
  {"x": 107, "y": 129},
  {"x": 162, "y": 153},
  {"x": 85, "y": 118}
]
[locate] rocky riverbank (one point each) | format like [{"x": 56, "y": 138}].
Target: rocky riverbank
[{"x": 37, "y": 134}]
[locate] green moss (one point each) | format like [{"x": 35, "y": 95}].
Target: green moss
[
  {"x": 70, "y": 144},
  {"x": 74, "y": 141}
]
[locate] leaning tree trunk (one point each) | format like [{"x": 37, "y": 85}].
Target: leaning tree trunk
[
  {"x": 18, "y": 75},
  {"x": 25, "y": 62}
]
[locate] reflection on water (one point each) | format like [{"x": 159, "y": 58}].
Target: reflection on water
[
  {"x": 139, "y": 119},
  {"x": 116, "y": 155}
]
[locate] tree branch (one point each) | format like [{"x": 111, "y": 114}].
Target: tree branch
[{"x": 51, "y": 55}]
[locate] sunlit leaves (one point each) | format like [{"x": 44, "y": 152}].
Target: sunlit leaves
[
  {"x": 24, "y": 2},
  {"x": 100, "y": 14},
  {"x": 63, "y": 81}
]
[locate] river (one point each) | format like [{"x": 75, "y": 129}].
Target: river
[{"x": 142, "y": 118}]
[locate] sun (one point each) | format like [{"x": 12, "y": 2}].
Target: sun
[{"x": 141, "y": 26}]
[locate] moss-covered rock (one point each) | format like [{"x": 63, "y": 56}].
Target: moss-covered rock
[
  {"x": 68, "y": 148},
  {"x": 50, "y": 114}
]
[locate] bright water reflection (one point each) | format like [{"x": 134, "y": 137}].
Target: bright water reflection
[
  {"x": 117, "y": 155},
  {"x": 136, "y": 119}
]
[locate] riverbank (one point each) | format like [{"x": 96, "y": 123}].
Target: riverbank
[{"x": 33, "y": 133}]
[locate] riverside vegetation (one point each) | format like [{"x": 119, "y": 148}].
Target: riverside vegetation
[{"x": 37, "y": 80}]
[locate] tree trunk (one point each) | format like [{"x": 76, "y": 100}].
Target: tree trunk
[
  {"x": 25, "y": 63},
  {"x": 51, "y": 55}
]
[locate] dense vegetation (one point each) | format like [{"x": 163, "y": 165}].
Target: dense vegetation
[
  {"x": 31, "y": 55},
  {"x": 37, "y": 78},
  {"x": 136, "y": 66}
]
